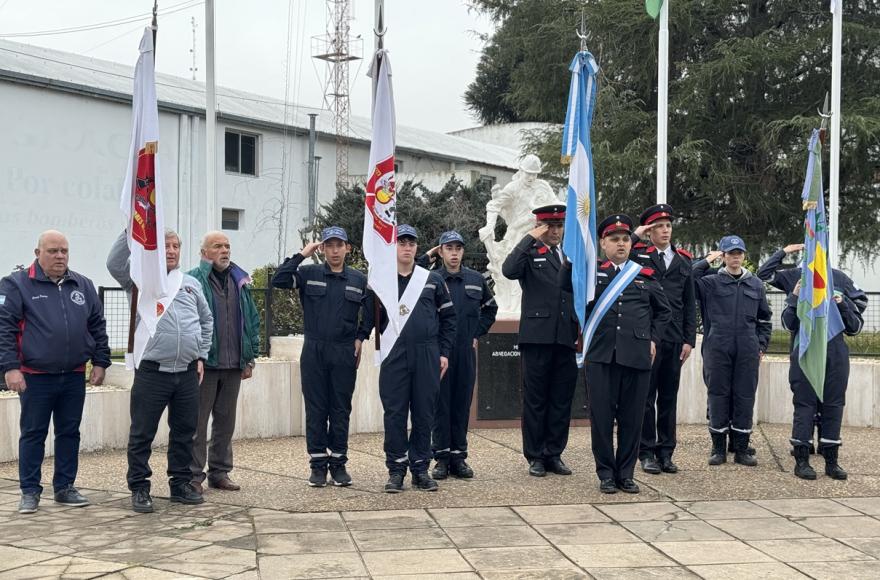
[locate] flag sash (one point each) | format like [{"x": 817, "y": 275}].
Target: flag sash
[
  {"x": 627, "y": 274},
  {"x": 405, "y": 307}
]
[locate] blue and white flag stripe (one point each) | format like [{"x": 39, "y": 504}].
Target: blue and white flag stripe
[
  {"x": 579, "y": 243},
  {"x": 627, "y": 274}
]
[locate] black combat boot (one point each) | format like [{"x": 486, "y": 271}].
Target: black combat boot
[
  {"x": 718, "y": 456},
  {"x": 441, "y": 469},
  {"x": 741, "y": 454},
  {"x": 802, "y": 467},
  {"x": 832, "y": 468}
]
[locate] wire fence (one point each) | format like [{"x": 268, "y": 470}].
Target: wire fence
[{"x": 281, "y": 315}]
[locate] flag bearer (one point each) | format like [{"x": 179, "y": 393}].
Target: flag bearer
[
  {"x": 625, "y": 326},
  {"x": 851, "y": 301},
  {"x": 409, "y": 379},
  {"x": 547, "y": 335},
  {"x": 338, "y": 317},
  {"x": 735, "y": 304},
  {"x": 672, "y": 269},
  {"x": 475, "y": 310}
]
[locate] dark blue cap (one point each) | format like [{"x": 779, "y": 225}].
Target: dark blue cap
[
  {"x": 731, "y": 243},
  {"x": 619, "y": 222},
  {"x": 451, "y": 237},
  {"x": 407, "y": 230},
  {"x": 334, "y": 232},
  {"x": 661, "y": 211}
]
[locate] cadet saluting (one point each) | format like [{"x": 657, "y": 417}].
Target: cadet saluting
[
  {"x": 672, "y": 269},
  {"x": 735, "y": 306},
  {"x": 475, "y": 310},
  {"x": 334, "y": 298},
  {"x": 625, "y": 324},
  {"x": 547, "y": 335},
  {"x": 409, "y": 379}
]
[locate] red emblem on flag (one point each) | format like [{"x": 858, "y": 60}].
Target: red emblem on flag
[
  {"x": 143, "y": 216},
  {"x": 381, "y": 199},
  {"x": 160, "y": 310}
]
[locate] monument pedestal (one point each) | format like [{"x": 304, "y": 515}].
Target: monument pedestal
[{"x": 497, "y": 401}]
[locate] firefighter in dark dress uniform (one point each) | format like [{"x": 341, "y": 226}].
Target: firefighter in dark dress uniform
[
  {"x": 672, "y": 269},
  {"x": 475, "y": 310},
  {"x": 548, "y": 331},
  {"x": 626, "y": 323},
  {"x": 338, "y": 317}
]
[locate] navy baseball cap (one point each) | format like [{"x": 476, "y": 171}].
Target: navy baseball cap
[
  {"x": 406, "y": 230},
  {"x": 451, "y": 237},
  {"x": 333, "y": 232},
  {"x": 731, "y": 243}
]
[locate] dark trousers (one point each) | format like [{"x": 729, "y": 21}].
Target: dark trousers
[
  {"x": 658, "y": 427},
  {"x": 549, "y": 377},
  {"x": 453, "y": 408},
  {"x": 328, "y": 376},
  {"x": 153, "y": 391},
  {"x": 408, "y": 384},
  {"x": 732, "y": 367},
  {"x": 59, "y": 397},
  {"x": 617, "y": 393},
  {"x": 806, "y": 402},
  {"x": 218, "y": 397}
]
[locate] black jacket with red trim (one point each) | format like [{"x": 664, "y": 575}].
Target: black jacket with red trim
[
  {"x": 677, "y": 282},
  {"x": 48, "y": 327},
  {"x": 639, "y": 315}
]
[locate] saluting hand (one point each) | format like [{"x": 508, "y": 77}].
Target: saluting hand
[
  {"x": 444, "y": 366},
  {"x": 642, "y": 230},
  {"x": 432, "y": 253},
  {"x": 310, "y": 249},
  {"x": 539, "y": 231},
  {"x": 713, "y": 255},
  {"x": 791, "y": 248}
]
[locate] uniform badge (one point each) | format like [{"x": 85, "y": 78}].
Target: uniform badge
[
  {"x": 77, "y": 298},
  {"x": 403, "y": 310}
]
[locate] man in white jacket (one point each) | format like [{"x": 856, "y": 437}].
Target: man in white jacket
[{"x": 168, "y": 375}]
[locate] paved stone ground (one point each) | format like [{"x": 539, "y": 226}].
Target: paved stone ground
[{"x": 724, "y": 522}]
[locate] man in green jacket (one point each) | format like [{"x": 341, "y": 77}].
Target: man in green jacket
[{"x": 234, "y": 346}]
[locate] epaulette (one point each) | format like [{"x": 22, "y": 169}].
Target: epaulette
[
  {"x": 640, "y": 245},
  {"x": 652, "y": 249},
  {"x": 684, "y": 253},
  {"x": 606, "y": 264},
  {"x": 647, "y": 272}
]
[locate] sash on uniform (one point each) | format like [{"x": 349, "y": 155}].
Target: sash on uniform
[
  {"x": 405, "y": 306},
  {"x": 142, "y": 333},
  {"x": 627, "y": 274}
]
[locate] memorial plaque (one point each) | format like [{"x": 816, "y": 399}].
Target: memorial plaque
[{"x": 498, "y": 393}]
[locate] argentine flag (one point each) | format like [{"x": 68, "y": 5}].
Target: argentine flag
[{"x": 579, "y": 243}]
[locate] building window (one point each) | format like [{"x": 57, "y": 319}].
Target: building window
[
  {"x": 241, "y": 153},
  {"x": 485, "y": 183},
  {"x": 231, "y": 219},
  {"x": 398, "y": 166}
]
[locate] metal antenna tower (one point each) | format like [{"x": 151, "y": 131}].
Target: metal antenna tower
[{"x": 337, "y": 50}]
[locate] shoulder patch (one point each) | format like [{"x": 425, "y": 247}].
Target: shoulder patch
[
  {"x": 652, "y": 249},
  {"x": 684, "y": 253},
  {"x": 606, "y": 264},
  {"x": 649, "y": 272}
]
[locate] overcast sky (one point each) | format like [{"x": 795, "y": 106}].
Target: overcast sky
[{"x": 434, "y": 46}]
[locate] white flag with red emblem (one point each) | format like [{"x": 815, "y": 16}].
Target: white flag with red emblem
[
  {"x": 141, "y": 200},
  {"x": 380, "y": 221}
]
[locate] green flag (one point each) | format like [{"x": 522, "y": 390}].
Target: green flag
[{"x": 653, "y": 8}]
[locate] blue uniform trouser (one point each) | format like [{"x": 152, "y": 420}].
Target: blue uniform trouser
[
  {"x": 59, "y": 397},
  {"x": 732, "y": 369},
  {"x": 409, "y": 381},
  {"x": 329, "y": 372},
  {"x": 449, "y": 437},
  {"x": 806, "y": 402}
]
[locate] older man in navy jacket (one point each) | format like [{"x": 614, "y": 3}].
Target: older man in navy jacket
[{"x": 51, "y": 325}]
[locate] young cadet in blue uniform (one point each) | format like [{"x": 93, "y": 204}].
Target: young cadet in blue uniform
[
  {"x": 735, "y": 305},
  {"x": 475, "y": 311},
  {"x": 631, "y": 313},
  {"x": 338, "y": 317},
  {"x": 409, "y": 379},
  {"x": 547, "y": 334},
  {"x": 827, "y": 414},
  {"x": 672, "y": 269}
]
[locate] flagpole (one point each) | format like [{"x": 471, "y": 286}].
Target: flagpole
[
  {"x": 210, "y": 120},
  {"x": 662, "y": 100},
  {"x": 834, "y": 170},
  {"x": 379, "y": 42}
]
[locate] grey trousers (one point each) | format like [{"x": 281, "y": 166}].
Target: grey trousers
[{"x": 218, "y": 396}]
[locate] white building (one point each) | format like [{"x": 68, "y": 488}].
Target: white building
[{"x": 66, "y": 126}]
